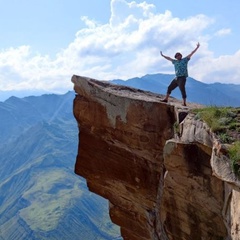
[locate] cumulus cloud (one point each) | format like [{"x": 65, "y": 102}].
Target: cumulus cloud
[
  {"x": 224, "y": 69},
  {"x": 127, "y": 46}
]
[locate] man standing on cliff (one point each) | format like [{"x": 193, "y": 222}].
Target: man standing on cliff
[{"x": 181, "y": 71}]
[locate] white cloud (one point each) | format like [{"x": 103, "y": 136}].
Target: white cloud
[
  {"x": 224, "y": 69},
  {"x": 223, "y": 32},
  {"x": 121, "y": 10},
  {"x": 127, "y": 46}
]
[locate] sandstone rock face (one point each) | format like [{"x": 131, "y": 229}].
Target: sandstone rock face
[{"x": 160, "y": 183}]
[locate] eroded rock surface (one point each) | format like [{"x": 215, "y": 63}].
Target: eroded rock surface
[{"x": 160, "y": 184}]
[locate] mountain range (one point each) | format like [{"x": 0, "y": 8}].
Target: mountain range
[
  {"x": 214, "y": 94},
  {"x": 41, "y": 196}
]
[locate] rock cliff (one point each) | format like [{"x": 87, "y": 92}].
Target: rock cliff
[{"x": 162, "y": 170}]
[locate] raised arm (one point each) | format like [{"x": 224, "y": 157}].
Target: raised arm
[
  {"x": 190, "y": 55},
  {"x": 168, "y": 58}
]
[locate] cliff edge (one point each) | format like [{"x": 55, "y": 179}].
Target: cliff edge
[{"x": 161, "y": 169}]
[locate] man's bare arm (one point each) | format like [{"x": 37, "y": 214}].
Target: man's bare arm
[
  {"x": 190, "y": 55},
  {"x": 168, "y": 58}
]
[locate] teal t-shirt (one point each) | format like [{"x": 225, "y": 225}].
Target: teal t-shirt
[{"x": 181, "y": 67}]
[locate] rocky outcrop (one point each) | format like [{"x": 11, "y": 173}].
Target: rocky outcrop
[{"x": 161, "y": 169}]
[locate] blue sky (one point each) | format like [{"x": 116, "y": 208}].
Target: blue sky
[{"x": 44, "y": 42}]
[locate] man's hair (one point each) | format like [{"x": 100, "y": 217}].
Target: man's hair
[{"x": 178, "y": 53}]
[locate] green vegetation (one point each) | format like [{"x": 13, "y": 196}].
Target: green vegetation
[
  {"x": 234, "y": 154},
  {"x": 225, "y": 123},
  {"x": 220, "y": 120},
  {"x": 48, "y": 198},
  {"x": 176, "y": 128}
]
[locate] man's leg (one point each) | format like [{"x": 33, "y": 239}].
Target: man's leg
[
  {"x": 181, "y": 84},
  {"x": 171, "y": 87}
]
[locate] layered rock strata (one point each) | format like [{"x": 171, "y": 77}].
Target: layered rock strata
[{"x": 155, "y": 163}]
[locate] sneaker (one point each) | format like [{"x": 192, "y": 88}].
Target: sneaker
[{"x": 164, "y": 100}]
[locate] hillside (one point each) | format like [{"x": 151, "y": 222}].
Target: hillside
[{"x": 41, "y": 197}]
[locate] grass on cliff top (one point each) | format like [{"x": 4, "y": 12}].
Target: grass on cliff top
[{"x": 225, "y": 123}]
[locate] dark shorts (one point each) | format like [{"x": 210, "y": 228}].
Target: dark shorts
[{"x": 178, "y": 82}]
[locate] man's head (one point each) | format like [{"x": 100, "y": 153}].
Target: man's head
[{"x": 178, "y": 56}]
